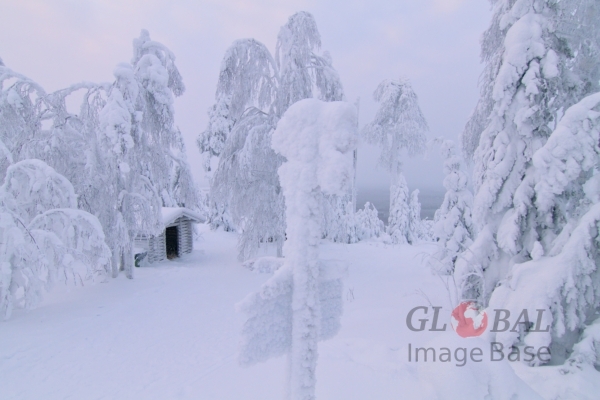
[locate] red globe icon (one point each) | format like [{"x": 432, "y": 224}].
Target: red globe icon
[{"x": 467, "y": 320}]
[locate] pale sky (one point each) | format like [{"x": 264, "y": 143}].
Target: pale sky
[{"x": 434, "y": 43}]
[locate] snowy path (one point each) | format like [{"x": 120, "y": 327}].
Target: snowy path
[
  {"x": 160, "y": 336},
  {"x": 173, "y": 333}
]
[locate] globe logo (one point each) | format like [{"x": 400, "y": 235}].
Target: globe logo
[{"x": 467, "y": 320}]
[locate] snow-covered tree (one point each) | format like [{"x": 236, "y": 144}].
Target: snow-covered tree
[
  {"x": 561, "y": 276},
  {"x": 417, "y": 229},
  {"x": 131, "y": 202},
  {"x": 83, "y": 147},
  {"x": 398, "y": 218},
  {"x": 519, "y": 121},
  {"x": 211, "y": 142},
  {"x": 564, "y": 35},
  {"x": 121, "y": 152},
  {"x": 453, "y": 227},
  {"x": 20, "y": 105},
  {"x": 69, "y": 145},
  {"x": 138, "y": 158},
  {"x": 248, "y": 78},
  {"x": 259, "y": 205},
  {"x": 19, "y": 266},
  {"x": 367, "y": 222},
  {"x": 5, "y": 159},
  {"x": 182, "y": 186},
  {"x": 536, "y": 179},
  {"x": 303, "y": 72},
  {"x": 161, "y": 155},
  {"x": 398, "y": 126},
  {"x": 535, "y": 70},
  {"x": 159, "y": 149},
  {"x": 80, "y": 237},
  {"x": 338, "y": 219},
  {"x": 244, "y": 97},
  {"x": 253, "y": 91},
  {"x": 43, "y": 238},
  {"x": 31, "y": 188},
  {"x": 246, "y": 181}
]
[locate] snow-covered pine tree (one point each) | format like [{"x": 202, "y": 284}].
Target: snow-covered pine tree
[
  {"x": 367, "y": 222},
  {"x": 453, "y": 227},
  {"x": 534, "y": 71},
  {"x": 5, "y": 159},
  {"x": 416, "y": 228},
  {"x": 564, "y": 27},
  {"x": 398, "y": 218},
  {"x": 182, "y": 185},
  {"x": 338, "y": 219},
  {"x": 398, "y": 126},
  {"x": 576, "y": 29},
  {"x": 561, "y": 276},
  {"x": 212, "y": 141}
]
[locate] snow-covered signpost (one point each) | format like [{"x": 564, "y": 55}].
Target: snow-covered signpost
[{"x": 301, "y": 303}]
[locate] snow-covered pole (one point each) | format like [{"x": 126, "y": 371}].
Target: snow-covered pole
[
  {"x": 303, "y": 234},
  {"x": 318, "y": 140},
  {"x": 355, "y": 163}
]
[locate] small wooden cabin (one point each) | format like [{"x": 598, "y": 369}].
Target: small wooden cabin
[{"x": 176, "y": 239}]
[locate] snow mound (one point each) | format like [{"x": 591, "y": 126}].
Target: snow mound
[
  {"x": 490, "y": 380},
  {"x": 264, "y": 265}
]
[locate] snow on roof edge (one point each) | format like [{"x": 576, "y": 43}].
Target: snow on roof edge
[{"x": 170, "y": 214}]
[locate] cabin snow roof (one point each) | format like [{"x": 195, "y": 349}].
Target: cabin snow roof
[{"x": 170, "y": 214}]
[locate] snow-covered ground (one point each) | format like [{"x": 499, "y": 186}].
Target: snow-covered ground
[{"x": 172, "y": 333}]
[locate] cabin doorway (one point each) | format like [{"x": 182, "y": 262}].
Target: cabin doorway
[{"x": 172, "y": 242}]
